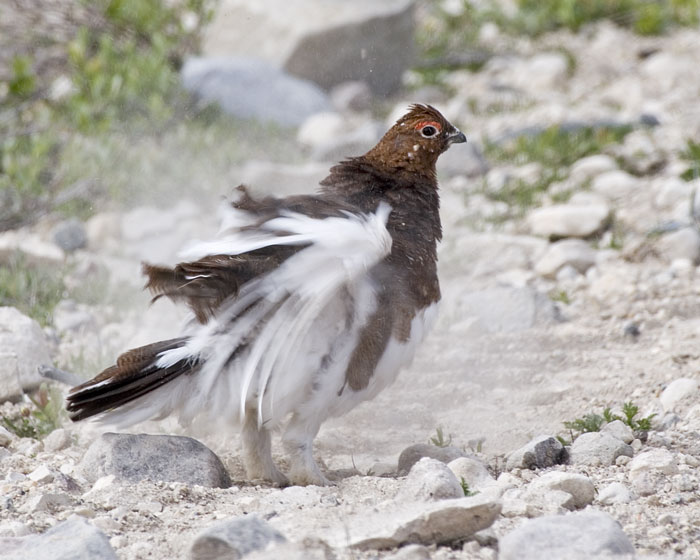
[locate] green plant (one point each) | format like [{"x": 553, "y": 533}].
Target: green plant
[
  {"x": 593, "y": 422},
  {"x": 439, "y": 440},
  {"x": 23, "y": 81},
  {"x": 555, "y": 149},
  {"x": 45, "y": 414},
  {"x": 692, "y": 154},
  {"x": 34, "y": 289},
  {"x": 465, "y": 488},
  {"x": 561, "y": 296}
]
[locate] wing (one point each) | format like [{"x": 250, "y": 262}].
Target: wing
[
  {"x": 250, "y": 245},
  {"x": 314, "y": 256}
]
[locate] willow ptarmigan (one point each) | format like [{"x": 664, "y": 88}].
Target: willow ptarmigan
[{"x": 303, "y": 306}]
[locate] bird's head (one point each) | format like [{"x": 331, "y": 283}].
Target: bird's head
[{"x": 416, "y": 141}]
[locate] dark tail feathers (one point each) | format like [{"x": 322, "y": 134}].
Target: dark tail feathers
[{"x": 131, "y": 377}]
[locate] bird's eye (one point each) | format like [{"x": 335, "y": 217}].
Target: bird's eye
[{"x": 428, "y": 131}]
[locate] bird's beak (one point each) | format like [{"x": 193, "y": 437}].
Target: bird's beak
[{"x": 456, "y": 137}]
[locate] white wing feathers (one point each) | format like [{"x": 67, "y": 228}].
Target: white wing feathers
[{"x": 274, "y": 313}]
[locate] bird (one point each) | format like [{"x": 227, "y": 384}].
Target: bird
[{"x": 302, "y": 306}]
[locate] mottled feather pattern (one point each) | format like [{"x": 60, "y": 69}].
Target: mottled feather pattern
[{"x": 303, "y": 306}]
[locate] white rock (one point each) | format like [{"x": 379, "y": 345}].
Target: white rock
[
  {"x": 653, "y": 461},
  {"x": 429, "y": 480},
  {"x": 579, "y": 487},
  {"x": 597, "y": 448},
  {"x": 103, "y": 228},
  {"x": 41, "y": 475},
  {"x": 585, "y": 534},
  {"x": 543, "y": 71},
  {"x": 591, "y": 166},
  {"x": 574, "y": 253},
  {"x": 678, "y": 390},
  {"x": 425, "y": 523},
  {"x": 281, "y": 179},
  {"x": 681, "y": 244},
  {"x": 23, "y": 349},
  {"x": 410, "y": 552},
  {"x": 34, "y": 249},
  {"x": 614, "y": 493},
  {"x": 57, "y": 440},
  {"x": 321, "y": 129},
  {"x": 616, "y": 184},
  {"x": 568, "y": 220},
  {"x": 6, "y": 436},
  {"x": 14, "y": 529},
  {"x": 46, "y": 502},
  {"x": 472, "y": 471},
  {"x": 672, "y": 191},
  {"x": 618, "y": 429}
]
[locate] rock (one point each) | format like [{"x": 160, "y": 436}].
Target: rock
[
  {"x": 574, "y": 253},
  {"x": 680, "y": 244},
  {"x": 507, "y": 309},
  {"x": 410, "y": 552},
  {"x": 597, "y": 448},
  {"x": 234, "y": 538},
  {"x": 440, "y": 522},
  {"x": 6, "y": 437},
  {"x": 615, "y": 184},
  {"x": 69, "y": 316},
  {"x": 579, "y": 487},
  {"x": 352, "y": 96},
  {"x": 327, "y": 43},
  {"x": 618, "y": 429},
  {"x": 345, "y": 144},
  {"x": 414, "y": 453},
  {"x": 676, "y": 391},
  {"x": 73, "y": 539},
  {"x": 279, "y": 179},
  {"x": 23, "y": 349},
  {"x": 41, "y": 475},
  {"x": 654, "y": 461},
  {"x": 14, "y": 529},
  {"x": 321, "y": 128},
  {"x": 568, "y": 220},
  {"x": 103, "y": 228},
  {"x": 309, "y": 549},
  {"x": 463, "y": 160},
  {"x": 614, "y": 493},
  {"x": 253, "y": 89},
  {"x": 70, "y": 235},
  {"x": 542, "y": 71},
  {"x": 131, "y": 457},
  {"x": 540, "y": 453},
  {"x": 589, "y": 167},
  {"x": 471, "y": 471},
  {"x": 585, "y": 534},
  {"x": 32, "y": 248},
  {"x": 430, "y": 480},
  {"x": 57, "y": 440},
  {"x": 47, "y": 502}
]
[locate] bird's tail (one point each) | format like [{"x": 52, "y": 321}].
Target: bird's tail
[{"x": 136, "y": 373}]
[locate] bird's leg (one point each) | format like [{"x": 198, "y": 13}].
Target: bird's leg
[
  {"x": 257, "y": 451},
  {"x": 298, "y": 444}
]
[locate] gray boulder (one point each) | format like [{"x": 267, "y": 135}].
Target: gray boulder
[
  {"x": 23, "y": 349},
  {"x": 414, "y": 453},
  {"x": 540, "y": 453},
  {"x": 326, "y": 42},
  {"x": 581, "y": 535},
  {"x": 234, "y": 538},
  {"x": 250, "y": 88},
  {"x": 70, "y": 235},
  {"x": 132, "y": 457},
  {"x": 73, "y": 539},
  {"x": 597, "y": 448}
]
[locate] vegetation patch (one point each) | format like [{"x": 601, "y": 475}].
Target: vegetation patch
[
  {"x": 594, "y": 422},
  {"x": 555, "y": 148},
  {"x": 42, "y": 416}
]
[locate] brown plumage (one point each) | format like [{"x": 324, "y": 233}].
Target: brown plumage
[{"x": 306, "y": 305}]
